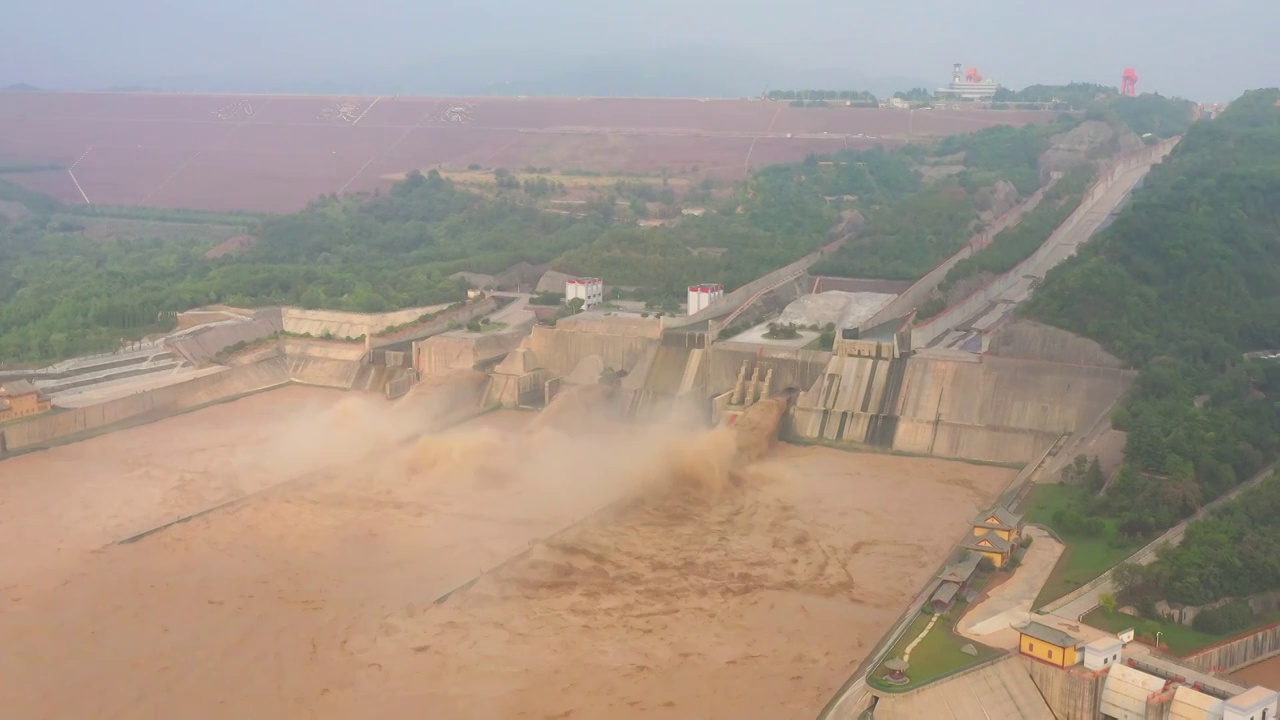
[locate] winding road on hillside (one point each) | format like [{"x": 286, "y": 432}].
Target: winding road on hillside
[{"x": 1075, "y": 605}]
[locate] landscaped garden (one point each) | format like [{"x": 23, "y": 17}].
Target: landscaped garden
[{"x": 939, "y": 654}]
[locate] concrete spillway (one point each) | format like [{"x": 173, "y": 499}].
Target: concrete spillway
[
  {"x": 855, "y": 401},
  {"x": 955, "y": 404}
]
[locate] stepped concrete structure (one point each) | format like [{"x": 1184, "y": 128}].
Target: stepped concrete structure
[{"x": 858, "y": 396}]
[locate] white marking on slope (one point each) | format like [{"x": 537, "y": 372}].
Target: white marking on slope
[
  {"x": 386, "y": 151},
  {"x": 77, "y": 162},
  {"x": 366, "y": 111},
  {"x": 747, "y": 162},
  {"x": 172, "y": 175},
  {"x": 77, "y": 182}
]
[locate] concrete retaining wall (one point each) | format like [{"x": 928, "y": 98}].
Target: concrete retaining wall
[
  {"x": 204, "y": 342},
  {"x": 348, "y": 324},
  {"x": 791, "y": 367},
  {"x": 915, "y": 295},
  {"x": 1071, "y": 694},
  {"x": 448, "y": 320},
  {"x": 559, "y": 351},
  {"x": 443, "y": 353},
  {"x": 1038, "y": 263},
  {"x": 1234, "y": 654},
  {"x": 613, "y": 325},
  {"x": 825, "y": 283},
  {"x": 145, "y": 406},
  {"x": 1030, "y": 340},
  {"x": 999, "y": 409},
  {"x": 731, "y": 301}
]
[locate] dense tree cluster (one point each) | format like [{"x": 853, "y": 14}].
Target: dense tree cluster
[
  {"x": 1015, "y": 244},
  {"x": 912, "y": 226},
  {"x": 63, "y": 294},
  {"x": 1183, "y": 284},
  {"x": 1232, "y": 553},
  {"x": 860, "y": 98}
]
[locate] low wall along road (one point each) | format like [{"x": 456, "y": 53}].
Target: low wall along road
[
  {"x": 919, "y": 291},
  {"x": 1015, "y": 285}
]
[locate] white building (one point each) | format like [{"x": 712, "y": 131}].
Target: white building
[
  {"x": 590, "y": 290},
  {"x": 964, "y": 88},
  {"x": 701, "y": 296},
  {"x": 1256, "y": 703},
  {"x": 1102, "y": 653}
]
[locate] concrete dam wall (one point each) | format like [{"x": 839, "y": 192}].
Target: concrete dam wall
[
  {"x": 999, "y": 409},
  {"x": 560, "y": 350},
  {"x": 960, "y": 405},
  {"x": 855, "y": 401}
]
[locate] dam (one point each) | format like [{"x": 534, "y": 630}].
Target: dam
[{"x": 1033, "y": 385}]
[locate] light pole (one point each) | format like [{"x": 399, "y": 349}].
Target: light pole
[
  {"x": 911, "y": 117},
  {"x": 1158, "y": 639}
]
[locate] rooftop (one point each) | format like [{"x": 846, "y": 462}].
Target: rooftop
[
  {"x": 997, "y": 543},
  {"x": 14, "y": 388},
  {"x": 946, "y": 593},
  {"x": 1103, "y": 644},
  {"x": 1050, "y": 635},
  {"x": 1004, "y": 520},
  {"x": 960, "y": 572},
  {"x": 1252, "y": 698},
  {"x": 1186, "y": 699}
]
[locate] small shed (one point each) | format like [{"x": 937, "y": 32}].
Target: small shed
[
  {"x": 960, "y": 573},
  {"x": 1256, "y": 703},
  {"x": 1047, "y": 644},
  {"x": 1102, "y": 653},
  {"x": 944, "y": 598}
]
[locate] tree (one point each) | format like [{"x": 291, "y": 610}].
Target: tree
[
  {"x": 1126, "y": 576},
  {"x": 575, "y": 305},
  {"x": 1107, "y": 601}
]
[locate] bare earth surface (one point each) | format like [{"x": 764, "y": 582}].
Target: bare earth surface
[
  {"x": 1265, "y": 673},
  {"x": 277, "y": 153},
  {"x": 316, "y": 597}
]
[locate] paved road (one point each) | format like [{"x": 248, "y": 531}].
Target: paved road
[
  {"x": 1063, "y": 244},
  {"x": 1088, "y": 600}
]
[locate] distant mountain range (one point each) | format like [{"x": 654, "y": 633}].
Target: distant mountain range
[{"x": 680, "y": 73}]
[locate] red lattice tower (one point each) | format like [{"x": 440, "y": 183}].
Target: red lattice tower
[{"x": 1129, "y": 82}]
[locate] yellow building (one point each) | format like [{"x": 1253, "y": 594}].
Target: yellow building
[
  {"x": 1001, "y": 522},
  {"x": 1047, "y": 644},
  {"x": 996, "y": 534},
  {"x": 19, "y": 398}
]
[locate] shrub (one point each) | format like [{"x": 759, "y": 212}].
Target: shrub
[
  {"x": 1230, "y": 618},
  {"x": 986, "y": 565}
]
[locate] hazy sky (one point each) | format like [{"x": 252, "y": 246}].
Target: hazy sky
[{"x": 1203, "y": 50}]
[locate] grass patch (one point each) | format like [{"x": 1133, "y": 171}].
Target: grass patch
[
  {"x": 1177, "y": 638},
  {"x": 1085, "y": 557},
  {"x": 937, "y": 656}
]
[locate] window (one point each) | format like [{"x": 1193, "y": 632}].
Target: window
[
  {"x": 1106, "y": 660},
  {"x": 1050, "y": 654},
  {"x": 1031, "y": 647}
]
